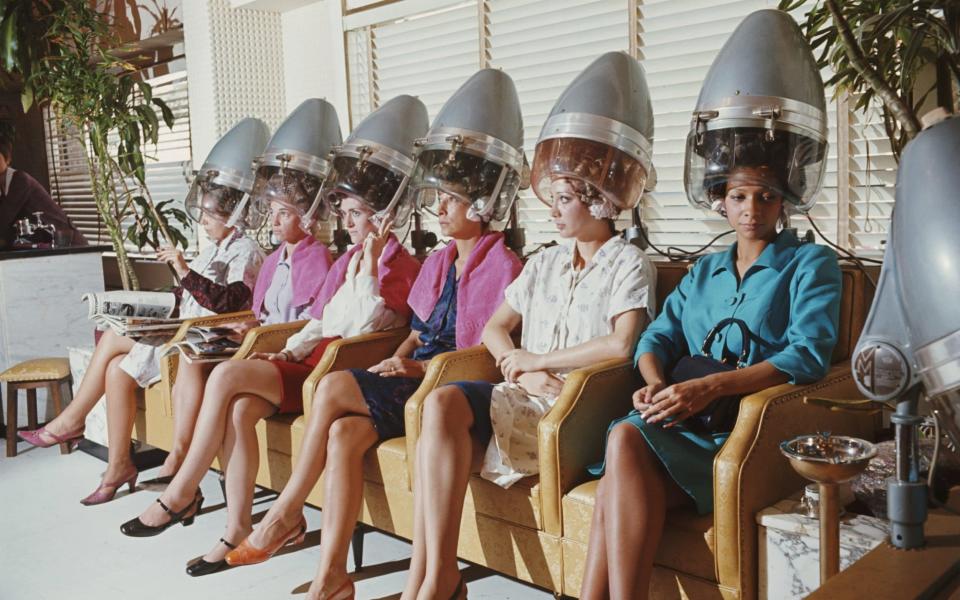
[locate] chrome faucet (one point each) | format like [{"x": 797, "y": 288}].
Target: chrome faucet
[{"x": 27, "y": 228}]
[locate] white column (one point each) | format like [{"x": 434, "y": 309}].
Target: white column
[
  {"x": 314, "y": 60},
  {"x": 235, "y": 69}
]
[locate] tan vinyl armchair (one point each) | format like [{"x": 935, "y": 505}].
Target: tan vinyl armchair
[
  {"x": 280, "y": 436},
  {"x": 154, "y": 420},
  {"x": 538, "y": 529},
  {"x": 715, "y": 555}
]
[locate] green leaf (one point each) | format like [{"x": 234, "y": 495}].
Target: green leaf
[
  {"x": 149, "y": 122},
  {"x": 168, "y": 117},
  {"x": 26, "y": 97},
  {"x": 146, "y": 90},
  {"x": 9, "y": 42}
]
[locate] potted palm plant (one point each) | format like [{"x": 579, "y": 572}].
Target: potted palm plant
[
  {"x": 59, "y": 51},
  {"x": 900, "y": 53}
]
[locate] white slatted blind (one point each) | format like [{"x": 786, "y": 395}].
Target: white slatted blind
[
  {"x": 543, "y": 45},
  {"x": 873, "y": 180},
  {"x": 359, "y": 74},
  {"x": 166, "y": 164},
  {"x": 70, "y": 177},
  {"x": 426, "y": 54},
  {"x": 169, "y": 164}
]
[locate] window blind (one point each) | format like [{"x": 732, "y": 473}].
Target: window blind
[
  {"x": 166, "y": 163},
  {"x": 543, "y": 44}
]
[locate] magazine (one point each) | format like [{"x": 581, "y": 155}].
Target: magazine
[
  {"x": 133, "y": 314},
  {"x": 206, "y": 344}
]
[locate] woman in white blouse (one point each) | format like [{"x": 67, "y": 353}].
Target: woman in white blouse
[
  {"x": 578, "y": 304},
  {"x": 220, "y": 279}
]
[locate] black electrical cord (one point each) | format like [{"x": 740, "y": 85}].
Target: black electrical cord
[
  {"x": 847, "y": 255},
  {"x": 675, "y": 254},
  {"x": 540, "y": 247}
]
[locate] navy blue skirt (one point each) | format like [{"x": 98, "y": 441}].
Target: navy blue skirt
[
  {"x": 385, "y": 398},
  {"x": 478, "y": 394}
]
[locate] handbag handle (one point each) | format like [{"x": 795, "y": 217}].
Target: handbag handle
[{"x": 744, "y": 332}]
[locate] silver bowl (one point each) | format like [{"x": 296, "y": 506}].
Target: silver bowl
[{"x": 828, "y": 459}]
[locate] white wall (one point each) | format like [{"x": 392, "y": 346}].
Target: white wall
[
  {"x": 197, "y": 44},
  {"x": 314, "y": 63},
  {"x": 234, "y": 69}
]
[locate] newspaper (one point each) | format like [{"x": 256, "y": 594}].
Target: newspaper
[{"x": 133, "y": 314}]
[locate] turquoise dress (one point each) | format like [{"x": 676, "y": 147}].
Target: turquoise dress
[{"x": 790, "y": 301}]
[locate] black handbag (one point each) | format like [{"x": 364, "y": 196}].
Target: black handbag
[{"x": 721, "y": 414}]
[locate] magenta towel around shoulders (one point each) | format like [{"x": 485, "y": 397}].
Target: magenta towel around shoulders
[
  {"x": 311, "y": 265},
  {"x": 397, "y": 270},
  {"x": 490, "y": 268}
]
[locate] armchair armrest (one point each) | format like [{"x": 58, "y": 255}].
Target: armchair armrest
[
  {"x": 470, "y": 364},
  {"x": 169, "y": 363},
  {"x": 750, "y": 473},
  {"x": 211, "y": 321},
  {"x": 268, "y": 338},
  {"x": 571, "y": 436},
  {"x": 359, "y": 352}
]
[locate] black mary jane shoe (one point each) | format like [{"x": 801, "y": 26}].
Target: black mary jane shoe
[
  {"x": 137, "y": 528},
  {"x": 200, "y": 567}
]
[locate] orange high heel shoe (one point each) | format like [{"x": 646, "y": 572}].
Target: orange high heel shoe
[{"x": 248, "y": 554}]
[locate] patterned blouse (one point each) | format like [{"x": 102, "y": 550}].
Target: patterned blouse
[
  {"x": 220, "y": 280},
  {"x": 221, "y": 277},
  {"x": 560, "y": 307}
]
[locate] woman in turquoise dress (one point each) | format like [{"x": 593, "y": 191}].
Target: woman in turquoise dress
[{"x": 779, "y": 293}]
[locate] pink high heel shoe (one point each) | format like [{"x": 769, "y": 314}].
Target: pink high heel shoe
[
  {"x": 34, "y": 437},
  {"x": 106, "y": 491}
]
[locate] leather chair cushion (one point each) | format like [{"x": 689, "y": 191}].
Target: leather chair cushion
[
  {"x": 519, "y": 504},
  {"x": 387, "y": 464}
]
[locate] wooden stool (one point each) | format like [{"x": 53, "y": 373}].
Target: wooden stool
[{"x": 49, "y": 373}]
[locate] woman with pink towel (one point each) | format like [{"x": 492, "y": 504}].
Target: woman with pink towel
[{"x": 457, "y": 290}]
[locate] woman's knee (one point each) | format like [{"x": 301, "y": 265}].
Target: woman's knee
[
  {"x": 225, "y": 373},
  {"x": 332, "y": 384},
  {"x": 115, "y": 373},
  {"x": 624, "y": 444},
  {"x": 333, "y": 394},
  {"x": 245, "y": 411},
  {"x": 350, "y": 433},
  {"x": 446, "y": 408}
]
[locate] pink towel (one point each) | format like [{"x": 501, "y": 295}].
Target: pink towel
[
  {"x": 490, "y": 268},
  {"x": 397, "y": 271},
  {"x": 311, "y": 263}
]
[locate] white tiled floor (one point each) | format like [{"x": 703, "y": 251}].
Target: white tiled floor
[{"x": 53, "y": 547}]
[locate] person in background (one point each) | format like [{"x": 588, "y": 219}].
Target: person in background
[{"x": 21, "y": 195}]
